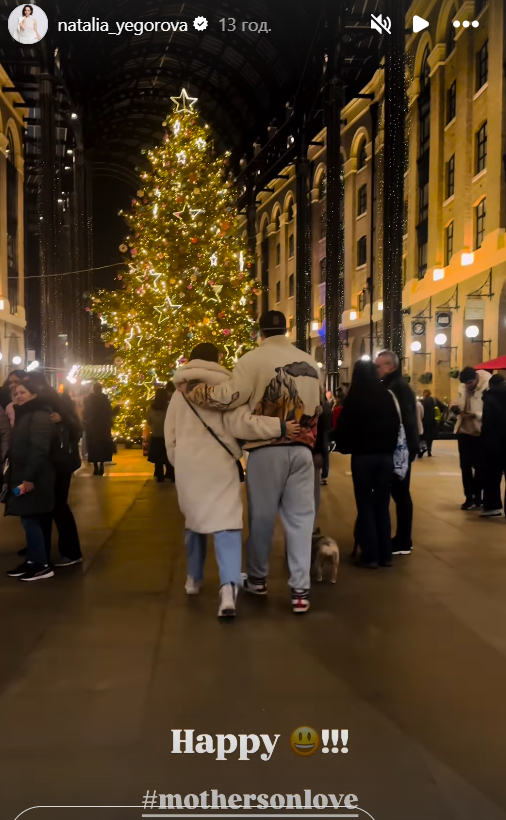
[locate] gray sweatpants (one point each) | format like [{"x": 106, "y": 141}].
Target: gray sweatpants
[{"x": 280, "y": 479}]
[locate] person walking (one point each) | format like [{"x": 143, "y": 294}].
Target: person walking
[
  {"x": 430, "y": 424},
  {"x": 31, "y": 478},
  {"x": 279, "y": 381},
  {"x": 469, "y": 410},
  {"x": 202, "y": 445},
  {"x": 389, "y": 371},
  {"x": 493, "y": 438},
  {"x": 66, "y": 460},
  {"x": 157, "y": 452},
  {"x": 97, "y": 422},
  {"x": 368, "y": 428}
]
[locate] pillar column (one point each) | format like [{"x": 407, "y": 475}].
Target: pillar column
[
  {"x": 48, "y": 223},
  {"x": 334, "y": 297},
  {"x": 303, "y": 261},
  {"x": 393, "y": 188}
]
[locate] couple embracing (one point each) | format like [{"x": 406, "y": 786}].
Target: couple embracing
[{"x": 271, "y": 402}]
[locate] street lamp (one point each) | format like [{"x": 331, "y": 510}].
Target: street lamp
[
  {"x": 472, "y": 332},
  {"x": 416, "y": 347},
  {"x": 16, "y": 360},
  {"x": 441, "y": 339}
]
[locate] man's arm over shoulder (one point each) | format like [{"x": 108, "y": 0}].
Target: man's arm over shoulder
[{"x": 228, "y": 395}]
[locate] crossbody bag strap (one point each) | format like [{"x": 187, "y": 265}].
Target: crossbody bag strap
[
  {"x": 214, "y": 435},
  {"x": 396, "y": 402}
]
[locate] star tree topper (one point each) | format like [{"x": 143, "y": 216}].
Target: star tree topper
[{"x": 184, "y": 103}]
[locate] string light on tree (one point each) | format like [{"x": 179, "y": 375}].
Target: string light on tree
[{"x": 187, "y": 280}]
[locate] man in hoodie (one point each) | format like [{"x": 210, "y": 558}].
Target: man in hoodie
[
  {"x": 469, "y": 407},
  {"x": 277, "y": 380},
  {"x": 389, "y": 371},
  {"x": 493, "y": 436}
]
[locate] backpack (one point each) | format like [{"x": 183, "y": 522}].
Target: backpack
[{"x": 64, "y": 451}]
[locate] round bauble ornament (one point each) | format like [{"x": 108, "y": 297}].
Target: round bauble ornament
[
  {"x": 196, "y": 190},
  {"x": 205, "y": 320},
  {"x": 140, "y": 193},
  {"x": 123, "y": 248},
  {"x": 195, "y": 240},
  {"x": 118, "y": 360},
  {"x": 172, "y": 281},
  {"x": 226, "y": 332},
  {"x": 190, "y": 286},
  {"x": 221, "y": 315},
  {"x": 134, "y": 251},
  {"x": 160, "y": 256},
  {"x": 225, "y": 226}
]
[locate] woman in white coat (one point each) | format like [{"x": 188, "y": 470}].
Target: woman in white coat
[{"x": 207, "y": 472}]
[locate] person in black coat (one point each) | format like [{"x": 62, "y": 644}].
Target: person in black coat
[
  {"x": 97, "y": 425},
  {"x": 31, "y": 478},
  {"x": 389, "y": 371},
  {"x": 493, "y": 436},
  {"x": 430, "y": 423},
  {"x": 66, "y": 460},
  {"x": 368, "y": 428}
]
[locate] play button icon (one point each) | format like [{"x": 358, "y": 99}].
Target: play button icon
[{"x": 419, "y": 24}]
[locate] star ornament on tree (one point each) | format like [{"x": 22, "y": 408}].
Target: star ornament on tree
[
  {"x": 184, "y": 103},
  {"x": 162, "y": 310},
  {"x": 188, "y": 214}
]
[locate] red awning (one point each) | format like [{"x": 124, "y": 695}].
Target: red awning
[{"x": 493, "y": 364}]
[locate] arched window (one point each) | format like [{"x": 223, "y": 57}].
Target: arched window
[
  {"x": 425, "y": 69},
  {"x": 265, "y": 230},
  {"x": 289, "y": 211},
  {"x": 362, "y": 155},
  {"x": 277, "y": 221},
  {"x": 322, "y": 186},
  {"x": 450, "y": 37},
  {"x": 12, "y": 225}
]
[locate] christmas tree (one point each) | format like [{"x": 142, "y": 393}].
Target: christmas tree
[{"x": 188, "y": 278}]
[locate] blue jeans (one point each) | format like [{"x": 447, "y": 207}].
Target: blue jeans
[
  {"x": 228, "y": 549},
  {"x": 35, "y": 543}
]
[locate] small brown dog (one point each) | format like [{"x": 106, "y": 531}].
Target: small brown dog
[{"x": 327, "y": 553}]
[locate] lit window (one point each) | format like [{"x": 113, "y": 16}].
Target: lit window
[
  {"x": 480, "y": 222},
  {"x": 481, "y": 148}
]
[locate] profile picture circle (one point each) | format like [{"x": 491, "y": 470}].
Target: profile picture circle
[{"x": 28, "y": 24}]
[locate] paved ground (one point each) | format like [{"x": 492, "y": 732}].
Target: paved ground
[{"x": 97, "y": 666}]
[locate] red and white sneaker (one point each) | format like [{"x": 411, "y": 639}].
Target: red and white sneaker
[{"x": 300, "y": 601}]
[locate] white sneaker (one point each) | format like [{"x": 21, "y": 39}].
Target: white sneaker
[
  {"x": 192, "y": 587},
  {"x": 228, "y": 597}
]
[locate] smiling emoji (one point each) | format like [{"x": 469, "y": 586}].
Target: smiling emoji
[{"x": 305, "y": 741}]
